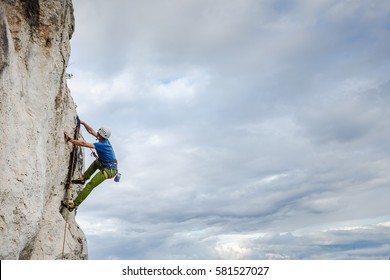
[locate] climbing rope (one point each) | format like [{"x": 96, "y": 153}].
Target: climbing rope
[{"x": 68, "y": 185}]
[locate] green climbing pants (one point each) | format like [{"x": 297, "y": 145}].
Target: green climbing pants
[{"x": 102, "y": 175}]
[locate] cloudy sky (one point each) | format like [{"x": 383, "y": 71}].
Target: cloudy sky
[{"x": 245, "y": 129}]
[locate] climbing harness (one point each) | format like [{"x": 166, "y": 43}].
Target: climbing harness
[{"x": 68, "y": 183}]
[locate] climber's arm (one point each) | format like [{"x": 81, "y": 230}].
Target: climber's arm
[
  {"x": 89, "y": 129},
  {"x": 82, "y": 143},
  {"x": 78, "y": 142}
]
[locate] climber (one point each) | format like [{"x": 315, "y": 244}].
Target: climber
[{"x": 106, "y": 163}]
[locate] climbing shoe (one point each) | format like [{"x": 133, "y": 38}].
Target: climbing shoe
[
  {"x": 68, "y": 204},
  {"x": 80, "y": 181}
]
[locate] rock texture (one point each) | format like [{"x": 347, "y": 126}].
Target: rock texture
[{"x": 35, "y": 109}]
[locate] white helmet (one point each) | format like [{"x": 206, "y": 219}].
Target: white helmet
[{"x": 104, "y": 132}]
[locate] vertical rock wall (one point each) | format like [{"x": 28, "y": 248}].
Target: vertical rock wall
[{"x": 35, "y": 109}]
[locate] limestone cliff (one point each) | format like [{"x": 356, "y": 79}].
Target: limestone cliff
[{"x": 35, "y": 109}]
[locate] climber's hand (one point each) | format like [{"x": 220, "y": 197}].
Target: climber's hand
[{"x": 66, "y": 136}]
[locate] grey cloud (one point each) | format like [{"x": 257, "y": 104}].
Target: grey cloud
[{"x": 354, "y": 115}]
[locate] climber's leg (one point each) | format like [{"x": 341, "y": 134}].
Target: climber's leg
[
  {"x": 95, "y": 181},
  {"x": 88, "y": 173},
  {"x": 95, "y": 165}
]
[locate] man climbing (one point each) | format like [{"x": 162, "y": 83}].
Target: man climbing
[{"x": 106, "y": 163}]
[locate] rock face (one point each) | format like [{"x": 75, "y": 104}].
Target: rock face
[{"x": 35, "y": 109}]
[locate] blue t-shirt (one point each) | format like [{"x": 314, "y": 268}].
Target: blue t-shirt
[{"x": 106, "y": 154}]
